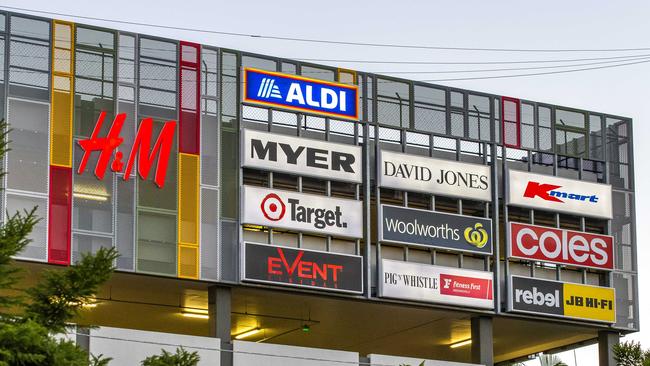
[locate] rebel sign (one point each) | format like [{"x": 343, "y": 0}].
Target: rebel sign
[{"x": 560, "y": 246}]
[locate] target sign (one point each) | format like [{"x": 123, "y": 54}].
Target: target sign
[{"x": 272, "y": 207}]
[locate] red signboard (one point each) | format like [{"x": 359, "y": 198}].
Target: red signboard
[
  {"x": 477, "y": 288},
  {"x": 141, "y": 148},
  {"x": 560, "y": 246}
]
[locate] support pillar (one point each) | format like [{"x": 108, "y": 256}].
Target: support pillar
[
  {"x": 482, "y": 350},
  {"x": 219, "y": 310},
  {"x": 606, "y": 341}
]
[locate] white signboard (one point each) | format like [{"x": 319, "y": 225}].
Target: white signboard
[
  {"x": 437, "y": 176},
  {"x": 559, "y": 194},
  {"x": 436, "y": 284},
  {"x": 302, "y": 156},
  {"x": 301, "y": 212}
]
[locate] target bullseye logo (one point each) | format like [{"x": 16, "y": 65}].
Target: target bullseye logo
[{"x": 272, "y": 207}]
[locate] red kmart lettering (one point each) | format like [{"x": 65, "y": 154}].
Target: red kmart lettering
[{"x": 141, "y": 147}]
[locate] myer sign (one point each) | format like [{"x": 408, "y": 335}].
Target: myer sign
[
  {"x": 562, "y": 299},
  {"x": 436, "y": 284},
  {"x": 559, "y": 194},
  {"x": 435, "y": 176},
  {"x": 301, "y": 212},
  {"x": 295, "y": 155},
  {"x": 435, "y": 229}
]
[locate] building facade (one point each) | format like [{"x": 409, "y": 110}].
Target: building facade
[{"x": 289, "y": 204}]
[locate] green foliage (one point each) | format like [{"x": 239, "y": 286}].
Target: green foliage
[
  {"x": 631, "y": 354},
  {"x": 61, "y": 294},
  {"x": 180, "y": 358},
  {"x": 27, "y": 343}
]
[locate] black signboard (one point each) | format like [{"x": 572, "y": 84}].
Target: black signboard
[
  {"x": 434, "y": 229},
  {"x": 536, "y": 296},
  {"x": 278, "y": 265}
]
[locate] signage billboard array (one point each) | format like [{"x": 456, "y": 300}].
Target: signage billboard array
[
  {"x": 436, "y": 284},
  {"x": 301, "y": 268},
  {"x": 435, "y": 176},
  {"x": 547, "y": 244},
  {"x": 562, "y": 299},
  {"x": 570, "y": 196},
  {"x": 301, "y": 94},
  {"x": 301, "y": 212},
  {"x": 436, "y": 230},
  {"x": 297, "y": 155}
]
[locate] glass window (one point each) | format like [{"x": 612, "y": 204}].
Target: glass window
[
  {"x": 29, "y": 143},
  {"x": 393, "y": 101},
  {"x": 156, "y": 242}
]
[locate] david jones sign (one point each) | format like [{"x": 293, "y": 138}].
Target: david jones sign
[{"x": 436, "y": 176}]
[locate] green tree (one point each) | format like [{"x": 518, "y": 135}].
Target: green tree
[
  {"x": 31, "y": 319},
  {"x": 180, "y": 358},
  {"x": 631, "y": 354}
]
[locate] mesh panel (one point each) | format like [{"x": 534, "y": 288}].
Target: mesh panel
[
  {"x": 188, "y": 262},
  {"x": 188, "y": 200}
]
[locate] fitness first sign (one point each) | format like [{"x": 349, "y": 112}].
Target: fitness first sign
[
  {"x": 562, "y": 299},
  {"x": 295, "y": 155},
  {"x": 436, "y": 176},
  {"x": 301, "y": 212},
  {"x": 559, "y": 194},
  {"x": 435, "y": 230},
  {"x": 436, "y": 284}
]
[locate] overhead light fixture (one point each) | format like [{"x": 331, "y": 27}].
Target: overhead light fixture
[
  {"x": 461, "y": 343},
  {"x": 248, "y": 333},
  {"x": 92, "y": 197}
]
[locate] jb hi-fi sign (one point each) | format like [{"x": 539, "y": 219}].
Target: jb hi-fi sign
[
  {"x": 146, "y": 155},
  {"x": 285, "y": 266},
  {"x": 560, "y": 246}
]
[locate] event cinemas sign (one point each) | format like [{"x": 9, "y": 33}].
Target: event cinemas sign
[
  {"x": 301, "y": 268},
  {"x": 436, "y": 176},
  {"x": 559, "y": 194},
  {"x": 561, "y": 246},
  {"x": 434, "y": 229},
  {"x": 436, "y": 284},
  {"x": 562, "y": 299},
  {"x": 301, "y": 212},
  {"x": 297, "y": 155}
]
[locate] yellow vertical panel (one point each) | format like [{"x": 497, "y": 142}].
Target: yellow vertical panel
[
  {"x": 62, "y": 94},
  {"x": 188, "y": 199},
  {"x": 188, "y": 261}
]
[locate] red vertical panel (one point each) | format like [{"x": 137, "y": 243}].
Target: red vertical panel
[
  {"x": 511, "y": 121},
  {"x": 60, "y": 215},
  {"x": 190, "y": 92}
]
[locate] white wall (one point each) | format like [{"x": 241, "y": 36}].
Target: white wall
[
  {"x": 384, "y": 360},
  {"x": 129, "y": 347},
  {"x": 254, "y": 354}
]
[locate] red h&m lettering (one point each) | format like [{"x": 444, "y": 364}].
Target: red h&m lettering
[{"x": 141, "y": 146}]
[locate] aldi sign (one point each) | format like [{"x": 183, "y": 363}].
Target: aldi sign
[
  {"x": 296, "y": 155},
  {"x": 434, "y": 176},
  {"x": 435, "y": 229},
  {"x": 559, "y": 194},
  {"x": 562, "y": 299},
  {"x": 285, "y": 266},
  {"x": 560, "y": 246},
  {"x": 436, "y": 284},
  {"x": 301, "y": 94},
  {"x": 301, "y": 212}
]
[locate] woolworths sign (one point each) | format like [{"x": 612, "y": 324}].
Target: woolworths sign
[{"x": 435, "y": 230}]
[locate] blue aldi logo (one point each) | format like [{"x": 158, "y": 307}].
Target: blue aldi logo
[{"x": 300, "y": 94}]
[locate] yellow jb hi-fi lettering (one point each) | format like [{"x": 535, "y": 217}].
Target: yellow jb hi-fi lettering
[{"x": 589, "y": 302}]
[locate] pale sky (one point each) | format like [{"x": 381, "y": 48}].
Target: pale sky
[{"x": 549, "y": 24}]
